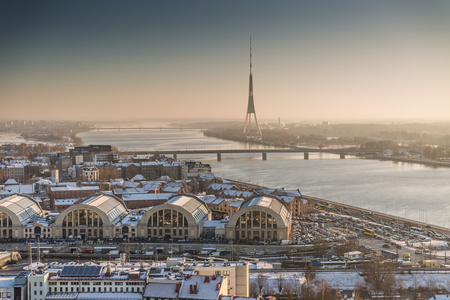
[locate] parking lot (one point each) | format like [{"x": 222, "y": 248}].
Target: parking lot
[{"x": 373, "y": 236}]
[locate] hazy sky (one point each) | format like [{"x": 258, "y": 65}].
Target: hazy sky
[{"x": 190, "y": 59}]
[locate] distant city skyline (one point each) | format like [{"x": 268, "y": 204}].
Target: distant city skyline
[{"x": 327, "y": 60}]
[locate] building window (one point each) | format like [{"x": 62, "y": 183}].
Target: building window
[
  {"x": 226, "y": 273},
  {"x": 218, "y": 273}
]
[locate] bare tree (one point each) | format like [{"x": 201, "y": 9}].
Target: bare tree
[
  {"x": 253, "y": 289},
  {"x": 280, "y": 282},
  {"x": 320, "y": 246},
  {"x": 401, "y": 287},
  {"x": 380, "y": 276},
  {"x": 290, "y": 290},
  {"x": 317, "y": 290},
  {"x": 269, "y": 289},
  {"x": 307, "y": 290},
  {"x": 431, "y": 288},
  {"x": 359, "y": 292},
  {"x": 260, "y": 282}
]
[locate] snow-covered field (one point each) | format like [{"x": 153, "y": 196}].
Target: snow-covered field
[{"x": 350, "y": 280}]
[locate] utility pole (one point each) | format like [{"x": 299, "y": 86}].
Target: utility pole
[{"x": 31, "y": 258}]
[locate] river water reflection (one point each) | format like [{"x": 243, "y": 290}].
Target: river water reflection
[{"x": 418, "y": 192}]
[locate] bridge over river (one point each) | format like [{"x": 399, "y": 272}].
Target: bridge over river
[{"x": 341, "y": 152}]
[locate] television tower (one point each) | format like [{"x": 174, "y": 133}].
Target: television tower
[{"x": 251, "y": 103}]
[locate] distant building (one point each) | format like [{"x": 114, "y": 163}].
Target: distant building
[
  {"x": 93, "y": 217},
  {"x": 260, "y": 218},
  {"x": 182, "y": 216},
  {"x": 14, "y": 287},
  {"x": 55, "y": 176},
  {"x": 13, "y": 171},
  {"x": 89, "y": 152},
  {"x": 16, "y": 211},
  {"x": 59, "y": 192},
  {"x": 89, "y": 174},
  {"x": 135, "y": 201},
  {"x": 195, "y": 168}
]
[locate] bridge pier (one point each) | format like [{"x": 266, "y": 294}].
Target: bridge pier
[
  {"x": 219, "y": 156},
  {"x": 264, "y": 156},
  {"x": 342, "y": 156},
  {"x": 306, "y": 155},
  {"x": 175, "y": 156}
]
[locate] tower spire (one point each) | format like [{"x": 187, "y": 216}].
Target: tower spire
[
  {"x": 251, "y": 104},
  {"x": 250, "y": 54}
]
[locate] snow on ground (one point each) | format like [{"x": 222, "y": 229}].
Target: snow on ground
[{"x": 349, "y": 280}]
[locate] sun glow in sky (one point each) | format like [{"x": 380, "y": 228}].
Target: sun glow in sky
[{"x": 336, "y": 60}]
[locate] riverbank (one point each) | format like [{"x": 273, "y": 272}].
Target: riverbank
[{"x": 432, "y": 163}]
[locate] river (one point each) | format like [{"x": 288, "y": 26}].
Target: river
[{"x": 418, "y": 192}]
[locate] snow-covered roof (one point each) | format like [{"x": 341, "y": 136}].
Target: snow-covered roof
[
  {"x": 112, "y": 206},
  {"x": 20, "y": 208},
  {"x": 128, "y": 191},
  {"x": 143, "y": 197},
  {"x": 138, "y": 177},
  {"x": 66, "y": 201},
  {"x": 206, "y": 176},
  {"x": 130, "y": 184},
  {"x": 281, "y": 192},
  {"x": 108, "y": 296},
  {"x": 161, "y": 290},
  {"x": 165, "y": 178},
  {"x": 17, "y": 189},
  {"x": 152, "y": 185},
  {"x": 10, "y": 181},
  {"x": 74, "y": 188},
  {"x": 130, "y": 219},
  {"x": 43, "y": 182},
  {"x": 212, "y": 199},
  {"x": 7, "y": 281},
  {"x": 214, "y": 224},
  {"x": 205, "y": 290},
  {"x": 171, "y": 189},
  {"x": 237, "y": 193},
  {"x": 196, "y": 207},
  {"x": 221, "y": 186},
  {"x": 235, "y": 202}
]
